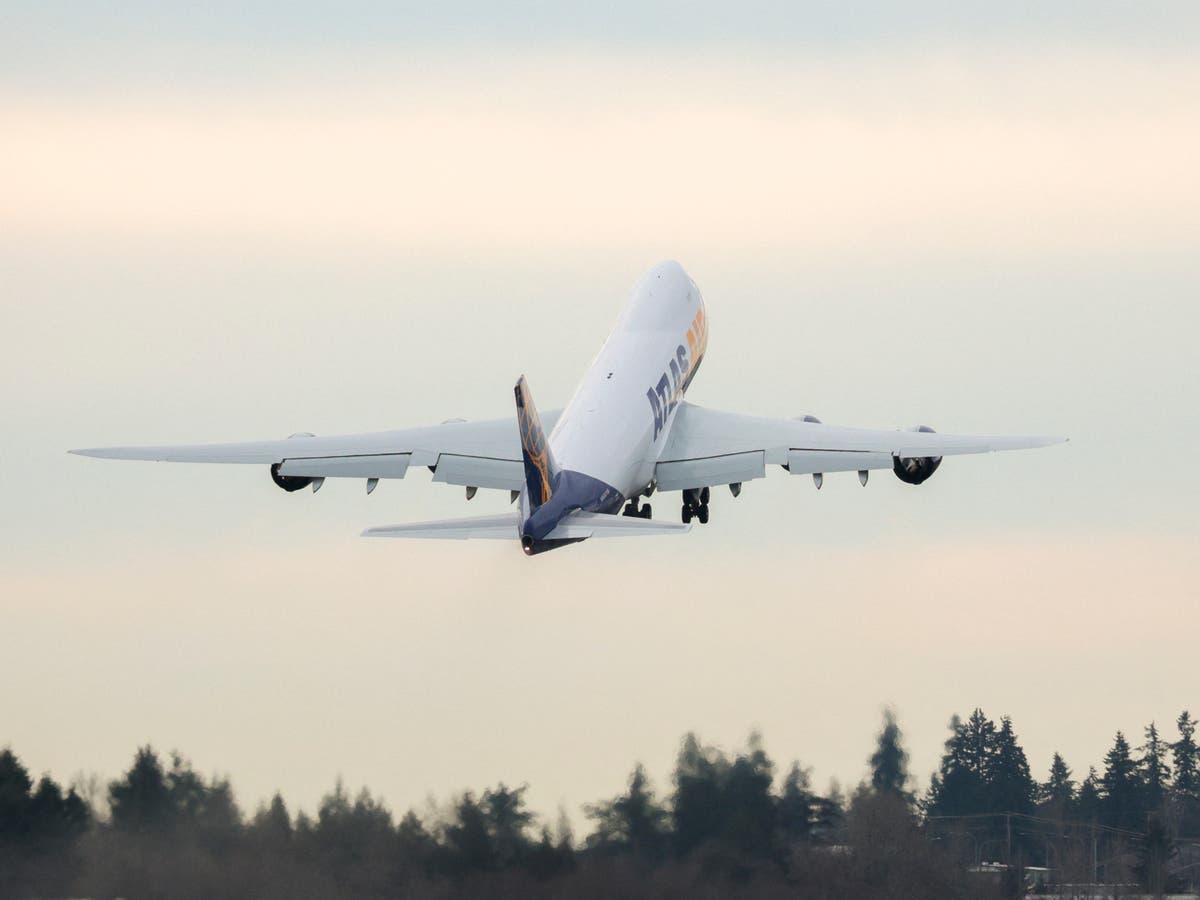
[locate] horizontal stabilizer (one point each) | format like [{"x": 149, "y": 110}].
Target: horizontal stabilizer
[
  {"x": 502, "y": 527},
  {"x": 576, "y": 526},
  {"x": 580, "y": 525}
]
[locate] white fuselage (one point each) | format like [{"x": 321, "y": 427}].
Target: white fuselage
[{"x": 617, "y": 422}]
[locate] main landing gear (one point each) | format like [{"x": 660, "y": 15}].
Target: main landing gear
[
  {"x": 632, "y": 509},
  {"x": 695, "y": 504}
]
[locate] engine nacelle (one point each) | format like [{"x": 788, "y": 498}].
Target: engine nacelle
[
  {"x": 289, "y": 483},
  {"x": 916, "y": 469}
]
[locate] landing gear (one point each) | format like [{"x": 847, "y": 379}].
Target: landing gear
[
  {"x": 695, "y": 505},
  {"x": 632, "y": 509}
]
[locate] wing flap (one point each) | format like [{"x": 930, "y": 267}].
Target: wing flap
[
  {"x": 384, "y": 465},
  {"x": 700, "y": 433},
  {"x": 483, "y": 454},
  {"x": 477, "y": 471},
  {"x": 707, "y": 471}
]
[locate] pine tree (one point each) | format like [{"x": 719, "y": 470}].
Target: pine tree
[
  {"x": 1155, "y": 772},
  {"x": 696, "y": 805},
  {"x": 1186, "y": 789},
  {"x": 1088, "y": 804},
  {"x": 1059, "y": 789},
  {"x": 960, "y": 785},
  {"x": 1122, "y": 795},
  {"x": 143, "y": 800},
  {"x": 633, "y": 821},
  {"x": 889, "y": 762},
  {"x": 1010, "y": 785},
  {"x": 829, "y": 814},
  {"x": 748, "y": 810},
  {"x": 796, "y": 805},
  {"x": 1186, "y": 758}
]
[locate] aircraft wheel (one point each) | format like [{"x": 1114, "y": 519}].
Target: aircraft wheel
[
  {"x": 646, "y": 510},
  {"x": 704, "y": 497},
  {"x": 702, "y": 513},
  {"x": 687, "y": 514}
]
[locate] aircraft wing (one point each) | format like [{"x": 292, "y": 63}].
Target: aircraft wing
[
  {"x": 483, "y": 454},
  {"x": 708, "y": 447},
  {"x": 577, "y": 525}
]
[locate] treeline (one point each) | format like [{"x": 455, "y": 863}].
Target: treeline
[
  {"x": 1127, "y": 823},
  {"x": 729, "y": 823}
]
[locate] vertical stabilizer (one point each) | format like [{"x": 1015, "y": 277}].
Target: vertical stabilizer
[{"x": 540, "y": 470}]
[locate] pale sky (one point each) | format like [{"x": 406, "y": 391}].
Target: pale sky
[{"x": 238, "y": 224}]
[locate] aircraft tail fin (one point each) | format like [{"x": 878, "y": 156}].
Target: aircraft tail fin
[{"x": 540, "y": 469}]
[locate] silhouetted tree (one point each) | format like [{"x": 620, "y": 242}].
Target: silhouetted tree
[
  {"x": 829, "y": 814},
  {"x": 416, "y": 846},
  {"x": 1059, "y": 790},
  {"x": 1011, "y": 788},
  {"x": 633, "y": 821},
  {"x": 796, "y": 805},
  {"x": 467, "y": 838},
  {"x": 15, "y": 784},
  {"x": 889, "y": 762},
  {"x": 141, "y": 801},
  {"x": 1155, "y": 772},
  {"x": 1121, "y": 787},
  {"x": 507, "y": 820},
  {"x": 696, "y": 804},
  {"x": 1186, "y": 758},
  {"x": 272, "y": 824},
  {"x": 960, "y": 785},
  {"x": 1089, "y": 805},
  {"x": 1186, "y": 788},
  {"x": 749, "y": 814}
]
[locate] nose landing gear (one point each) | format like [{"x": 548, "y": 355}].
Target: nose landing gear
[{"x": 695, "y": 505}]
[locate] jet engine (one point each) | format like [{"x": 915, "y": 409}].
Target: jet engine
[
  {"x": 916, "y": 469},
  {"x": 289, "y": 482}
]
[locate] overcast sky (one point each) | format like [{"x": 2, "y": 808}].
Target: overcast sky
[{"x": 241, "y": 223}]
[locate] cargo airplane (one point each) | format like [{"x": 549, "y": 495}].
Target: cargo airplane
[{"x": 583, "y": 471}]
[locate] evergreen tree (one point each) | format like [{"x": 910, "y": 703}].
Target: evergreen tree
[
  {"x": 889, "y": 762},
  {"x": 1059, "y": 789},
  {"x": 15, "y": 784},
  {"x": 1186, "y": 758},
  {"x": 634, "y": 821},
  {"x": 272, "y": 824},
  {"x": 960, "y": 786},
  {"x": 415, "y": 846},
  {"x": 1010, "y": 785},
  {"x": 508, "y": 820},
  {"x": 1121, "y": 787},
  {"x": 1186, "y": 789},
  {"x": 749, "y": 815},
  {"x": 796, "y": 805},
  {"x": 142, "y": 800},
  {"x": 1155, "y": 772},
  {"x": 829, "y": 814},
  {"x": 1089, "y": 803},
  {"x": 696, "y": 804},
  {"x": 467, "y": 838}
]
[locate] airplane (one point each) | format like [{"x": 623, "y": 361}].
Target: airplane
[{"x": 626, "y": 434}]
